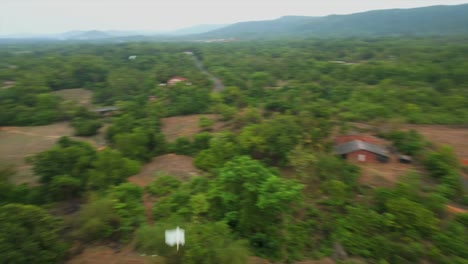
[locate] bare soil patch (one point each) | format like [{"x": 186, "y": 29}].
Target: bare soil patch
[
  {"x": 320, "y": 261},
  {"x": 19, "y": 143},
  {"x": 445, "y": 135},
  {"x": 104, "y": 254},
  {"x": 79, "y": 95},
  {"x": 186, "y": 126},
  {"x": 384, "y": 174},
  {"x": 456, "y": 209},
  {"x": 177, "y": 165}
]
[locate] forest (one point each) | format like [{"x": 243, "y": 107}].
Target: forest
[{"x": 270, "y": 184}]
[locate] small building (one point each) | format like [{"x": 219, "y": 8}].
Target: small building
[
  {"x": 358, "y": 150},
  {"x": 176, "y": 79},
  {"x": 106, "y": 110},
  {"x": 405, "y": 159},
  {"x": 132, "y": 57}
]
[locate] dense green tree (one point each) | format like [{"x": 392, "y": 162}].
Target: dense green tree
[
  {"x": 30, "y": 235},
  {"x": 111, "y": 168}
]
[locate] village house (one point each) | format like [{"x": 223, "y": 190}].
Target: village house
[
  {"x": 176, "y": 79},
  {"x": 361, "y": 149}
]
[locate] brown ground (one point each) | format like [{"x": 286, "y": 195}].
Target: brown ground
[
  {"x": 186, "y": 126},
  {"x": 440, "y": 135},
  {"x": 18, "y": 143},
  {"x": 79, "y": 95},
  {"x": 106, "y": 255},
  {"x": 173, "y": 164},
  {"x": 321, "y": 261},
  {"x": 456, "y": 209},
  {"x": 384, "y": 174}
]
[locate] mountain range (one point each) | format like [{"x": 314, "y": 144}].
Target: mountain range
[{"x": 433, "y": 20}]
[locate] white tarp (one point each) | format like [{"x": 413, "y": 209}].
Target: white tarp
[{"x": 175, "y": 237}]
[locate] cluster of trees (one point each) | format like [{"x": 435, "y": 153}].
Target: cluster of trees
[
  {"x": 355, "y": 79},
  {"x": 271, "y": 185}
]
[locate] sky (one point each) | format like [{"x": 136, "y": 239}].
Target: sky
[{"x": 56, "y": 16}]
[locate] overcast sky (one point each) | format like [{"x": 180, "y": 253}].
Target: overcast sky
[{"x": 53, "y": 16}]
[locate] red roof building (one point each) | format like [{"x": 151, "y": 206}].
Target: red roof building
[
  {"x": 176, "y": 79},
  {"x": 361, "y": 148}
]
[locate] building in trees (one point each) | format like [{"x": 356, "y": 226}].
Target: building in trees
[
  {"x": 362, "y": 151},
  {"x": 176, "y": 79}
]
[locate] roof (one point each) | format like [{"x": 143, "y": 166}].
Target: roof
[
  {"x": 178, "y": 78},
  {"x": 106, "y": 109},
  {"x": 356, "y": 145}
]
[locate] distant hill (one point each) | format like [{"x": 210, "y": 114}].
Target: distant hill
[
  {"x": 433, "y": 20},
  {"x": 195, "y": 29}
]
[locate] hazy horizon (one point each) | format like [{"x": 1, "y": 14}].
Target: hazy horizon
[{"x": 54, "y": 16}]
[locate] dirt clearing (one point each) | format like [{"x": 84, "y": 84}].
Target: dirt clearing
[
  {"x": 444, "y": 135},
  {"x": 186, "y": 126},
  {"x": 384, "y": 174},
  {"x": 104, "y": 254},
  {"x": 79, "y": 95},
  {"x": 19, "y": 143},
  {"x": 177, "y": 165}
]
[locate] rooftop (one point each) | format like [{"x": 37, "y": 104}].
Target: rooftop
[{"x": 356, "y": 145}]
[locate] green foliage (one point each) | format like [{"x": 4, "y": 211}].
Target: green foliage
[
  {"x": 111, "y": 168},
  {"x": 30, "y": 235},
  {"x": 223, "y": 146},
  {"x": 410, "y": 143},
  {"x": 128, "y": 204},
  {"x": 201, "y": 141},
  {"x": 213, "y": 243},
  {"x": 443, "y": 165},
  {"x": 271, "y": 140},
  {"x": 245, "y": 193},
  {"x": 86, "y": 127},
  {"x": 206, "y": 123},
  {"x": 205, "y": 243},
  {"x": 164, "y": 185},
  {"x": 182, "y": 146},
  {"x": 97, "y": 220}
]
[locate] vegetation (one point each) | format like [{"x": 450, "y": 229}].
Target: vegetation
[{"x": 271, "y": 184}]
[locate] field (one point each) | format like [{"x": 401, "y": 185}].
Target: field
[
  {"x": 19, "y": 143},
  {"x": 445, "y": 135},
  {"x": 107, "y": 255},
  {"x": 186, "y": 126},
  {"x": 384, "y": 174},
  {"x": 79, "y": 95},
  {"x": 176, "y": 165}
]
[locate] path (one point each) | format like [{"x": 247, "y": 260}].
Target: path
[
  {"x": 148, "y": 203},
  {"x": 218, "y": 84},
  {"x": 455, "y": 209}
]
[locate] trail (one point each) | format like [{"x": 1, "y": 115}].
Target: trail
[
  {"x": 148, "y": 203},
  {"x": 456, "y": 210},
  {"x": 218, "y": 84}
]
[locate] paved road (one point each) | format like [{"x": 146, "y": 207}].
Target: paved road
[{"x": 218, "y": 85}]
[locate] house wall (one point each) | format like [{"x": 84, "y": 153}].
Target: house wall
[{"x": 370, "y": 157}]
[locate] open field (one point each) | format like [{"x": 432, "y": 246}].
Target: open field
[
  {"x": 19, "y": 143},
  {"x": 79, "y": 95},
  {"x": 186, "y": 126},
  {"x": 177, "y": 165},
  {"x": 384, "y": 174},
  {"x": 445, "y": 135},
  {"x": 107, "y": 255}
]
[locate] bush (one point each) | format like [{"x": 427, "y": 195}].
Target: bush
[
  {"x": 206, "y": 123},
  {"x": 86, "y": 127},
  {"x": 164, "y": 185}
]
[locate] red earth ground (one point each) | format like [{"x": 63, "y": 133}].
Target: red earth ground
[{"x": 186, "y": 126}]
